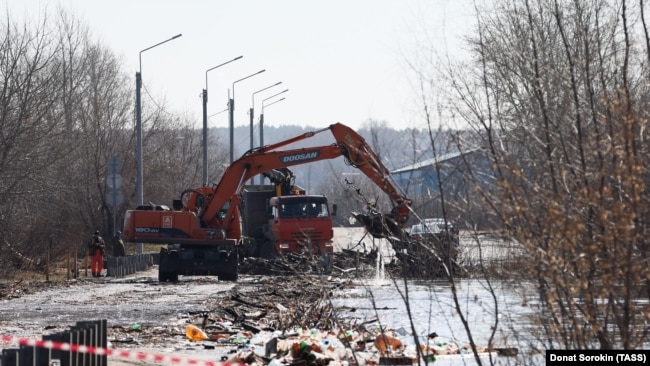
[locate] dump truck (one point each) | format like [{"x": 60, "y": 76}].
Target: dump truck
[{"x": 281, "y": 218}]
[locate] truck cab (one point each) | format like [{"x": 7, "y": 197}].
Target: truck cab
[
  {"x": 300, "y": 224},
  {"x": 282, "y": 224}
]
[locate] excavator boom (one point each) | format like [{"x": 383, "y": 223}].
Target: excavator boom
[{"x": 349, "y": 144}]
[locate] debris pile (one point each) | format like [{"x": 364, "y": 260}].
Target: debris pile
[
  {"x": 284, "y": 320},
  {"x": 347, "y": 263}
]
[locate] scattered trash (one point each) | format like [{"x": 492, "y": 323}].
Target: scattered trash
[
  {"x": 194, "y": 333},
  {"x": 317, "y": 347},
  {"x": 387, "y": 344},
  {"x": 290, "y": 320}
]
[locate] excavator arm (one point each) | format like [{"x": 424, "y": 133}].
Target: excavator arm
[
  {"x": 225, "y": 196},
  {"x": 359, "y": 154}
]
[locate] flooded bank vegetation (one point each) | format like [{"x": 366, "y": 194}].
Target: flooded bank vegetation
[{"x": 557, "y": 99}]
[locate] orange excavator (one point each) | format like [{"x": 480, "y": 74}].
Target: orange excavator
[{"x": 203, "y": 231}]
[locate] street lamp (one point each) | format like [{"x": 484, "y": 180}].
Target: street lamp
[
  {"x": 251, "y": 113},
  {"x": 262, "y": 113},
  {"x": 262, "y": 120},
  {"x": 139, "y": 192},
  {"x": 252, "y": 110},
  {"x": 205, "y": 121},
  {"x": 231, "y": 105}
]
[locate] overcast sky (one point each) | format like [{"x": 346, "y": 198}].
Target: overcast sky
[{"x": 342, "y": 61}]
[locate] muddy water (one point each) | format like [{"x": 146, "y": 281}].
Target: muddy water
[
  {"x": 432, "y": 308},
  {"x": 424, "y": 307},
  {"x": 432, "y": 305}
]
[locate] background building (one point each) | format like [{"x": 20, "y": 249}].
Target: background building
[{"x": 460, "y": 176}]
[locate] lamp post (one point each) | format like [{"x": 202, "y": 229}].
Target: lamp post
[
  {"x": 252, "y": 110},
  {"x": 139, "y": 181},
  {"x": 262, "y": 120},
  {"x": 205, "y": 121},
  {"x": 231, "y": 105},
  {"x": 262, "y": 113},
  {"x": 252, "y": 114},
  {"x": 139, "y": 192}
]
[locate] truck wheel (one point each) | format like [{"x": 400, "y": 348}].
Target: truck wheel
[
  {"x": 228, "y": 276},
  {"x": 167, "y": 276}
]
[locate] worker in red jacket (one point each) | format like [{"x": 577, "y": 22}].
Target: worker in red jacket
[{"x": 97, "y": 255}]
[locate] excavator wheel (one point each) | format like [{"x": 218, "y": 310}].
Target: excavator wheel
[
  {"x": 228, "y": 276},
  {"x": 167, "y": 276}
]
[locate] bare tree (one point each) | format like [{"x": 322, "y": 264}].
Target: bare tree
[
  {"x": 174, "y": 161},
  {"x": 559, "y": 99},
  {"x": 29, "y": 121},
  {"x": 65, "y": 109}
]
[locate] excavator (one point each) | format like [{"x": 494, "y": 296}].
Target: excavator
[{"x": 203, "y": 231}]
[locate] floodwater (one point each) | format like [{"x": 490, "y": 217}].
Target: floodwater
[
  {"x": 432, "y": 308},
  {"x": 432, "y": 305}
]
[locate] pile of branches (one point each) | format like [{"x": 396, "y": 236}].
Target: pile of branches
[
  {"x": 277, "y": 303},
  {"x": 347, "y": 263}
]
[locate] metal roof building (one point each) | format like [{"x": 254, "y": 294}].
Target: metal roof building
[{"x": 424, "y": 180}]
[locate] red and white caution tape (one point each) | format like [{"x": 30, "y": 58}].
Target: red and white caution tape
[{"x": 60, "y": 346}]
